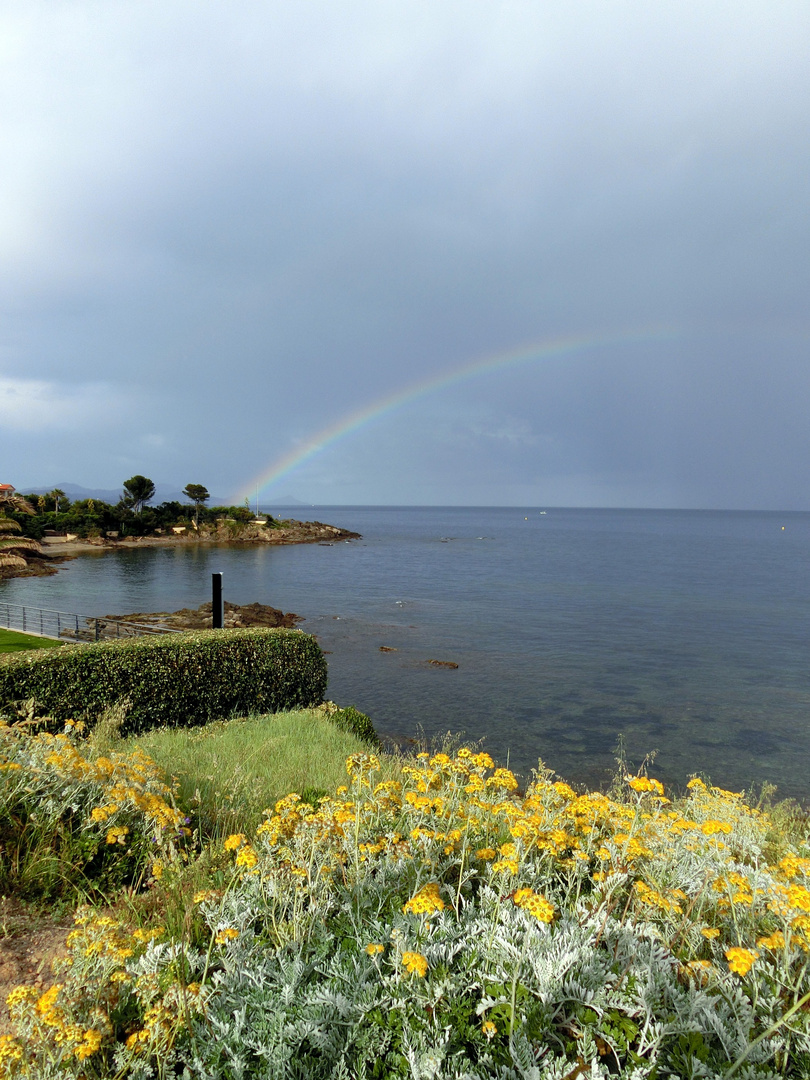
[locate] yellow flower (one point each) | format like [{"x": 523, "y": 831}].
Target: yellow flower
[
  {"x": 485, "y": 853},
  {"x": 775, "y": 941},
  {"x": 415, "y": 963},
  {"x": 649, "y": 896},
  {"x": 710, "y": 932},
  {"x": 228, "y": 934},
  {"x": 137, "y": 1038},
  {"x": 564, "y": 790},
  {"x": 505, "y": 866},
  {"x": 799, "y": 897},
  {"x": 535, "y": 904},
  {"x": 20, "y": 995},
  {"x": 148, "y": 935},
  {"x": 503, "y": 778},
  {"x": 116, "y": 835},
  {"x": 791, "y": 866},
  {"x": 740, "y": 960},
  {"x": 489, "y": 1029},
  {"x": 157, "y": 869},
  {"x": 47, "y": 1001},
  {"x": 100, "y": 813},
  {"x": 643, "y": 783},
  {"x": 10, "y": 1050},
  {"x": 89, "y": 1044},
  {"x": 247, "y": 857},
  {"x": 710, "y": 828},
  {"x": 427, "y": 900},
  {"x": 374, "y": 949},
  {"x": 234, "y": 841}
]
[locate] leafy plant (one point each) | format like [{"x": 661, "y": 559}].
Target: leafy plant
[
  {"x": 74, "y": 824},
  {"x": 442, "y": 925},
  {"x": 172, "y": 680}
]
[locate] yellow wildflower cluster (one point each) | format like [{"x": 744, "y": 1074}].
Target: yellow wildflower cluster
[
  {"x": 740, "y": 960},
  {"x": 446, "y": 811},
  {"x": 11, "y": 1053},
  {"x": 453, "y": 829},
  {"x": 535, "y": 904},
  {"x": 246, "y": 857},
  {"x": 415, "y": 963},
  {"x": 116, "y": 791},
  {"x": 654, "y": 899},
  {"x": 645, "y": 784},
  {"x": 426, "y": 901},
  {"x": 46, "y": 1017}
]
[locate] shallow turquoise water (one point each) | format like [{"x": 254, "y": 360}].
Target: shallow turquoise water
[{"x": 683, "y": 632}]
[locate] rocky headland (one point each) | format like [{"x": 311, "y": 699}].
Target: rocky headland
[
  {"x": 20, "y": 556},
  {"x": 23, "y": 557}
]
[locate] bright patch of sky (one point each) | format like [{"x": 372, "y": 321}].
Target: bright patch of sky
[{"x": 225, "y": 228}]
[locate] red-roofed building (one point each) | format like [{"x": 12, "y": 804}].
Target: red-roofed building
[{"x": 6, "y": 491}]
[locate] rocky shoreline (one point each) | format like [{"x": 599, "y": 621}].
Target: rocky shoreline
[
  {"x": 236, "y": 615},
  {"x": 53, "y": 550}
]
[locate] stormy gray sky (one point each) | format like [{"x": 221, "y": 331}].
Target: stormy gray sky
[{"x": 227, "y": 227}]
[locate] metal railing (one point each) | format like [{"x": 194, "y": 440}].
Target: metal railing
[{"x": 67, "y": 626}]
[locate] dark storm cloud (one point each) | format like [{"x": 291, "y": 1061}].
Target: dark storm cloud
[{"x": 291, "y": 210}]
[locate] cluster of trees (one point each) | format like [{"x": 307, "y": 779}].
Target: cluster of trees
[{"x": 130, "y": 516}]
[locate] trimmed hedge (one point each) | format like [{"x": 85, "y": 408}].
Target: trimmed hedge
[{"x": 176, "y": 680}]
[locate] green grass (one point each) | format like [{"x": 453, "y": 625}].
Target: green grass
[
  {"x": 228, "y": 772},
  {"x": 11, "y": 641}
]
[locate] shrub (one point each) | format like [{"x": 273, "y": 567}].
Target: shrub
[
  {"x": 445, "y": 927},
  {"x": 72, "y": 824},
  {"x": 172, "y": 680},
  {"x": 353, "y": 721}
]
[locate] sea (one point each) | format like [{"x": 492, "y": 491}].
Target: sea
[{"x": 581, "y": 637}]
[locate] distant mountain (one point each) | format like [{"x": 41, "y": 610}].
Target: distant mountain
[{"x": 288, "y": 500}]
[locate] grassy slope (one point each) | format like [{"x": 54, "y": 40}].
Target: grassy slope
[
  {"x": 230, "y": 771},
  {"x": 11, "y": 641}
]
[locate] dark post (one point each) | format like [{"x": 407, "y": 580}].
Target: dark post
[{"x": 217, "y": 606}]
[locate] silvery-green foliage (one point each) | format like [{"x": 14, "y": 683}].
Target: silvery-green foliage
[{"x": 447, "y": 930}]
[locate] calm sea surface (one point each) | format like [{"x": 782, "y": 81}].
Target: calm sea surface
[{"x": 681, "y": 632}]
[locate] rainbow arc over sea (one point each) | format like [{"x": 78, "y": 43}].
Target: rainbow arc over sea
[{"x": 574, "y": 345}]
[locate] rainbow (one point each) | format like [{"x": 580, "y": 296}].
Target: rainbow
[{"x": 283, "y": 465}]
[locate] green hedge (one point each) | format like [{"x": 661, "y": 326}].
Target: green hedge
[{"x": 176, "y": 680}]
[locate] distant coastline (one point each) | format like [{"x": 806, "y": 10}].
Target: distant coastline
[
  {"x": 292, "y": 532},
  {"x": 54, "y": 550}
]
